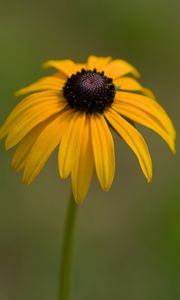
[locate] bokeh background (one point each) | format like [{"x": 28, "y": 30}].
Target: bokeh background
[{"x": 128, "y": 240}]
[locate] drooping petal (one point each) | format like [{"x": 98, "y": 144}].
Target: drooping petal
[
  {"x": 24, "y": 147},
  {"x": 83, "y": 164},
  {"x": 117, "y": 68},
  {"x": 44, "y": 145},
  {"x": 97, "y": 63},
  {"x": 147, "y": 112},
  {"x": 70, "y": 141},
  {"x": 103, "y": 150},
  {"x": 134, "y": 139},
  {"x": 41, "y": 98},
  {"x": 46, "y": 83},
  {"x": 148, "y": 120},
  {"x": 31, "y": 118},
  {"x": 127, "y": 83},
  {"x": 148, "y": 104},
  {"x": 67, "y": 67}
]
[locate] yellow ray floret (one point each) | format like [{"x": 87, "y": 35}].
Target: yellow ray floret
[
  {"x": 127, "y": 83},
  {"x": 103, "y": 149},
  {"x": 134, "y": 139},
  {"x": 82, "y": 168},
  {"x": 30, "y": 118},
  {"x": 23, "y": 149},
  {"x": 29, "y": 104},
  {"x": 45, "y": 144},
  {"x": 97, "y": 63},
  {"x": 148, "y": 112},
  {"x": 67, "y": 67},
  {"x": 70, "y": 142},
  {"x": 46, "y": 83},
  {"x": 117, "y": 68}
]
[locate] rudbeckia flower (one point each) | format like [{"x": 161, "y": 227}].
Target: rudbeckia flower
[{"x": 75, "y": 109}]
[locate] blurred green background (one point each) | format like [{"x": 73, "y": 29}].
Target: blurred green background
[{"x": 128, "y": 240}]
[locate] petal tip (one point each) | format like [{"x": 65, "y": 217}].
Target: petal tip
[
  {"x": 21, "y": 92},
  {"x": 63, "y": 174},
  {"x": 106, "y": 187},
  {"x": 13, "y": 165},
  {"x": 3, "y": 132},
  {"x": 46, "y": 64},
  {"x": 7, "y": 146},
  {"x": 173, "y": 149},
  {"x": 78, "y": 200},
  {"x": 1, "y": 135},
  {"x": 149, "y": 179},
  {"x": 18, "y": 93},
  {"x": 137, "y": 73},
  {"x": 26, "y": 180},
  {"x": 172, "y": 146}
]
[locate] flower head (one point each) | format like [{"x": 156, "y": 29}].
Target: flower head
[{"x": 72, "y": 110}]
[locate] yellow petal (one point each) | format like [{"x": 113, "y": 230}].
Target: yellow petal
[
  {"x": 31, "y": 118},
  {"x": 44, "y": 145},
  {"x": 46, "y": 83},
  {"x": 103, "y": 150},
  {"x": 70, "y": 141},
  {"x": 150, "y": 107},
  {"x": 127, "y": 83},
  {"x": 97, "y": 63},
  {"x": 29, "y": 102},
  {"x": 83, "y": 165},
  {"x": 148, "y": 120},
  {"x": 134, "y": 139},
  {"x": 117, "y": 68},
  {"x": 62, "y": 76},
  {"x": 67, "y": 66},
  {"x": 79, "y": 67},
  {"x": 24, "y": 147}
]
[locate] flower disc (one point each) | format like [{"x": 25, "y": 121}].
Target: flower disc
[{"x": 89, "y": 91}]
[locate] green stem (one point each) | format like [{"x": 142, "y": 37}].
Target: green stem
[{"x": 65, "y": 274}]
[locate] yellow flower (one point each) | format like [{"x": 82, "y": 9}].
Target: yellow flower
[{"x": 73, "y": 109}]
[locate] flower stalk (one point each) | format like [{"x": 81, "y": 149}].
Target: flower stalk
[{"x": 67, "y": 251}]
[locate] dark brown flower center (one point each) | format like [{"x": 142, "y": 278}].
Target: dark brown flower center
[{"x": 89, "y": 91}]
